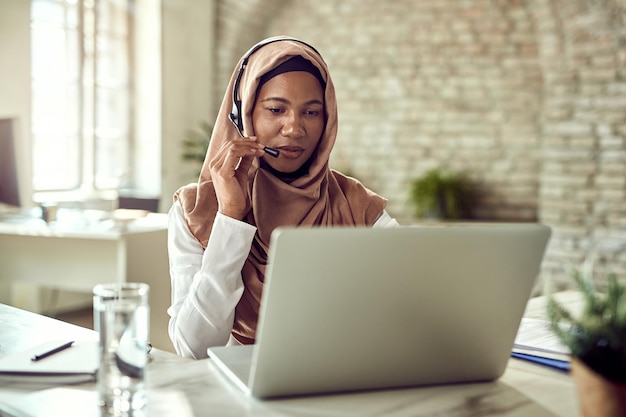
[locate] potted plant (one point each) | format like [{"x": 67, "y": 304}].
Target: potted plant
[
  {"x": 442, "y": 195},
  {"x": 196, "y": 143},
  {"x": 597, "y": 340}
]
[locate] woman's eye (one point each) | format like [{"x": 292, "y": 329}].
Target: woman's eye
[
  {"x": 312, "y": 112},
  {"x": 275, "y": 109}
]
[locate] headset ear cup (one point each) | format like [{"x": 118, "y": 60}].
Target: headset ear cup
[
  {"x": 238, "y": 119},
  {"x": 234, "y": 118}
]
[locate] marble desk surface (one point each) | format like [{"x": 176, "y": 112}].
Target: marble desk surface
[{"x": 183, "y": 388}]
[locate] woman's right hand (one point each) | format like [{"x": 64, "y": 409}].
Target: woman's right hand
[{"x": 229, "y": 172}]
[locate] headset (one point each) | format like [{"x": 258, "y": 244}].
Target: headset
[{"x": 235, "y": 115}]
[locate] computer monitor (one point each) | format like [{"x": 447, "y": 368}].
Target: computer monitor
[{"x": 9, "y": 185}]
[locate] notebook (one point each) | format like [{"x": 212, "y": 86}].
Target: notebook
[
  {"x": 348, "y": 309},
  {"x": 76, "y": 364}
]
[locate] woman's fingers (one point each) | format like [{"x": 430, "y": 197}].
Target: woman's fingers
[
  {"x": 229, "y": 171},
  {"x": 231, "y": 154}
]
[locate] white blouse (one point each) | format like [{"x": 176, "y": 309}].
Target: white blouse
[{"x": 206, "y": 285}]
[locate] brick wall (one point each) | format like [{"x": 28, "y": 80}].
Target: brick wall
[
  {"x": 526, "y": 97},
  {"x": 583, "y": 176}
]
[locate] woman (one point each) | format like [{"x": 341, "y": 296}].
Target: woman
[{"x": 267, "y": 166}]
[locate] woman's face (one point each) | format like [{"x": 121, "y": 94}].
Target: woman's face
[{"x": 288, "y": 115}]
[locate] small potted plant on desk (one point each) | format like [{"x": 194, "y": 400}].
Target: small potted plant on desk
[{"x": 597, "y": 340}]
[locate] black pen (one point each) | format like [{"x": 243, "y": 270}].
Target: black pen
[{"x": 51, "y": 352}]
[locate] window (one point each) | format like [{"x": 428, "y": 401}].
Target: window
[{"x": 82, "y": 94}]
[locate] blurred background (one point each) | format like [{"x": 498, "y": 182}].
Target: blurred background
[{"x": 524, "y": 100}]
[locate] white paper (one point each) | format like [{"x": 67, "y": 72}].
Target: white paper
[
  {"x": 78, "y": 363},
  {"x": 536, "y": 335}
]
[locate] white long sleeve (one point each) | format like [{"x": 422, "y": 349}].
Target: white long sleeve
[
  {"x": 206, "y": 284},
  {"x": 385, "y": 220}
]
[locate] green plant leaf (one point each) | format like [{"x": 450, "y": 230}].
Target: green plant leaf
[
  {"x": 441, "y": 195},
  {"x": 196, "y": 143},
  {"x": 598, "y": 336}
]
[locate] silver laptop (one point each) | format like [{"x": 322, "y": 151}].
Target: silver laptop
[{"x": 348, "y": 309}]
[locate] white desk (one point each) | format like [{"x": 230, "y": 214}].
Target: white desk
[
  {"x": 184, "y": 387},
  {"x": 76, "y": 258}
]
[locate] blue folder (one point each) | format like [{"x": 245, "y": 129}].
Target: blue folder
[{"x": 561, "y": 365}]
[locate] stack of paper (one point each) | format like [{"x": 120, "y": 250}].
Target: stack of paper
[
  {"x": 76, "y": 364},
  {"x": 536, "y": 342}
]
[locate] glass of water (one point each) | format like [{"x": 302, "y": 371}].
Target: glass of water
[{"x": 122, "y": 319}]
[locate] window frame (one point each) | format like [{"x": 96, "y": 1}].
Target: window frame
[{"x": 85, "y": 177}]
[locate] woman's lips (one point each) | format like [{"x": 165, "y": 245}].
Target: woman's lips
[{"x": 290, "y": 152}]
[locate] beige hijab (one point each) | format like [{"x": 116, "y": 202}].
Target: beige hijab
[{"x": 321, "y": 197}]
